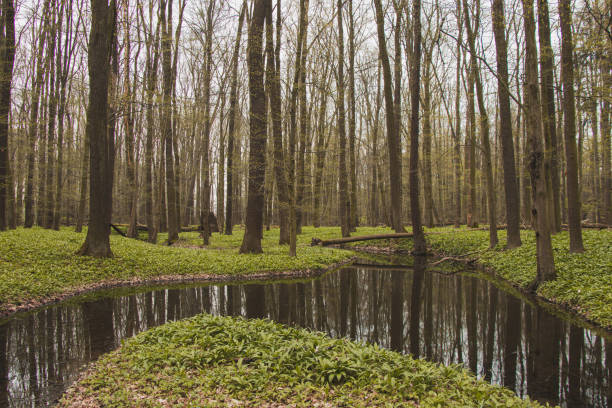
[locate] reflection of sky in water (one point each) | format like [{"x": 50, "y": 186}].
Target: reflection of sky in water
[{"x": 450, "y": 319}]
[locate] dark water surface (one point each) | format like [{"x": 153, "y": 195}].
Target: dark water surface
[{"x": 449, "y": 319}]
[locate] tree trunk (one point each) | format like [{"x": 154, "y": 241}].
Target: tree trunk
[
  {"x": 484, "y": 126},
  {"x": 545, "y": 260},
  {"x": 569, "y": 127},
  {"x": 251, "y": 242},
  {"x": 427, "y": 179},
  {"x": 548, "y": 112},
  {"x": 7, "y": 51},
  {"x": 343, "y": 199},
  {"x": 166, "y": 119},
  {"x": 513, "y": 216},
  {"x": 149, "y": 165},
  {"x": 274, "y": 96},
  {"x": 457, "y": 144},
  {"x": 101, "y": 142},
  {"x": 415, "y": 87},
  {"x": 33, "y": 123},
  {"x": 232, "y": 127},
  {"x": 606, "y": 147},
  {"x": 207, "y": 125},
  {"x": 353, "y": 216},
  {"x": 393, "y": 142}
]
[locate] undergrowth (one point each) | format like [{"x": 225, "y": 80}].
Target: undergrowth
[{"x": 224, "y": 361}]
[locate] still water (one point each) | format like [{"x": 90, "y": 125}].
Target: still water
[{"x": 449, "y": 319}]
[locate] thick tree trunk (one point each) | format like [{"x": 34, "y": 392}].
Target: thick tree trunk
[
  {"x": 251, "y": 242},
  {"x": 606, "y": 147},
  {"x": 7, "y": 42},
  {"x": 511, "y": 190},
  {"x": 569, "y": 127},
  {"x": 101, "y": 141},
  {"x": 545, "y": 260},
  {"x": 548, "y": 112}
]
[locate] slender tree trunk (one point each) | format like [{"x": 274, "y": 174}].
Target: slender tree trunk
[
  {"x": 343, "y": 199},
  {"x": 513, "y": 216},
  {"x": 484, "y": 127},
  {"x": 545, "y": 260},
  {"x": 304, "y": 119},
  {"x": 166, "y": 119},
  {"x": 251, "y": 242},
  {"x": 393, "y": 142},
  {"x": 149, "y": 165},
  {"x": 52, "y": 112},
  {"x": 33, "y": 124},
  {"x": 83, "y": 184},
  {"x": 207, "y": 125},
  {"x": 569, "y": 127},
  {"x": 101, "y": 141},
  {"x": 457, "y": 145},
  {"x": 427, "y": 178},
  {"x": 320, "y": 148},
  {"x": 471, "y": 148},
  {"x": 274, "y": 96},
  {"x": 353, "y": 216},
  {"x": 130, "y": 143},
  {"x": 415, "y": 87},
  {"x": 232, "y": 127}
]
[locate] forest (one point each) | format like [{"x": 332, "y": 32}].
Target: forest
[{"x": 150, "y": 142}]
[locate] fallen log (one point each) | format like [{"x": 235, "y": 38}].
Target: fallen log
[
  {"x": 123, "y": 234},
  {"x": 316, "y": 241}
]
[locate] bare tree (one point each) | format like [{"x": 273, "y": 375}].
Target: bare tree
[
  {"x": 569, "y": 127},
  {"x": 101, "y": 141},
  {"x": 251, "y": 242}
]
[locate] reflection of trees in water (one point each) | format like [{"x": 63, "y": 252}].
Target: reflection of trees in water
[{"x": 430, "y": 315}]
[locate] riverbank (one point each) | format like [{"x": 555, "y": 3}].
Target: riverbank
[
  {"x": 584, "y": 282},
  {"x": 225, "y": 361},
  {"x": 40, "y": 267}
]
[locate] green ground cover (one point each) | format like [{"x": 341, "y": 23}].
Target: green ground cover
[
  {"x": 209, "y": 361},
  {"x": 38, "y": 263}
]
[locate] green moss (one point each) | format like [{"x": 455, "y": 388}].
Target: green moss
[
  {"x": 225, "y": 361},
  {"x": 584, "y": 281},
  {"x": 37, "y": 263}
]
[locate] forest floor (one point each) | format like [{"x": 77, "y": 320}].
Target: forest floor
[
  {"x": 584, "y": 281},
  {"x": 39, "y": 266},
  {"x": 233, "y": 362}
]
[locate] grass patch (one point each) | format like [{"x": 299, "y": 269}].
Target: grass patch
[
  {"x": 223, "y": 361},
  {"x": 38, "y": 263}
]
